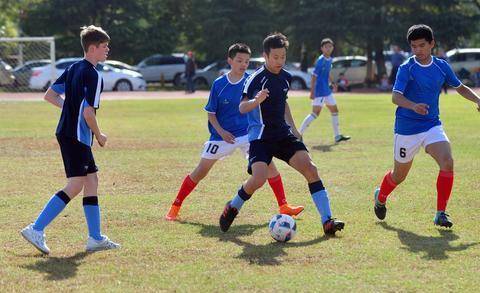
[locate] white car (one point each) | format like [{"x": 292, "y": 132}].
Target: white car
[
  {"x": 114, "y": 79},
  {"x": 300, "y": 80},
  {"x": 465, "y": 62}
]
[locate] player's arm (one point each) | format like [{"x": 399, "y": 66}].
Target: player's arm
[
  {"x": 290, "y": 121},
  {"x": 400, "y": 100},
  {"x": 332, "y": 81},
  {"x": 247, "y": 105},
  {"x": 91, "y": 103},
  {"x": 53, "y": 98},
  {"x": 469, "y": 94},
  {"x": 313, "y": 82},
  {"x": 91, "y": 119},
  {"x": 226, "y": 136}
]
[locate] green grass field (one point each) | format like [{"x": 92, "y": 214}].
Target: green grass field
[{"x": 154, "y": 144}]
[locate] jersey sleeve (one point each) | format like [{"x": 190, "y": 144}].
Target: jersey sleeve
[
  {"x": 401, "y": 80},
  {"x": 212, "y": 104},
  {"x": 318, "y": 68},
  {"x": 250, "y": 88},
  {"x": 93, "y": 86},
  {"x": 450, "y": 77},
  {"x": 59, "y": 85}
]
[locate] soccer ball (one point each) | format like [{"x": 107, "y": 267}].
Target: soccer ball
[{"x": 282, "y": 227}]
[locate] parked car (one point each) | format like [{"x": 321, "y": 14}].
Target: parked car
[
  {"x": 465, "y": 62},
  {"x": 121, "y": 65},
  {"x": 170, "y": 67},
  {"x": 23, "y": 72},
  {"x": 354, "y": 69},
  {"x": 300, "y": 79},
  {"x": 7, "y": 79},
  {"x": 113, "y": 79},
  {"x": 205, "y": 77}
]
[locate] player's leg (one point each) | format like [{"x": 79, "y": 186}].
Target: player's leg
[
  {"x": 302, "y": 162},
  {"x": 442, "y": 153},
  {"x": 317, "y": 104},
  {"x": 333, "y": 108},
  {"x": 275, "y": 182},
  {"x": 96, "y": 241}
]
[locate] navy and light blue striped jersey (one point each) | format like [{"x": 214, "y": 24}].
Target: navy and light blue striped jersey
[
  {"x": 267, "y": 121},
  {"x": 322, "y": 72},
  {"x": 421, "y": 84},
  {"x": 82, "y": 84},
  {"x": 224, "y": 100}
]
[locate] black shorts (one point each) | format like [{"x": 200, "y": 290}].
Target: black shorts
[
  {"x": 264, "y": 150},
  {"x": 77, "y": 157}
]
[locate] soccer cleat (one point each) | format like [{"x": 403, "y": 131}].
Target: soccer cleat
[
  {"x": 379, "y": 208},
  {"x": 36, "y": 238},
  {"x": 104, "y": 244},
  {"x": 290, "y": 210},
  {"x": 332, "y": 225},
  {"x": 341, "y": 137},
  {"x": 442, "y": 219},
  {"x": 172, "y": 213},
  {"x": 227, "y": 217}
]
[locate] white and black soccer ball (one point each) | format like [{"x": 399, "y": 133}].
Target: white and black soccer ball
[{"x": 282, "y": 227}]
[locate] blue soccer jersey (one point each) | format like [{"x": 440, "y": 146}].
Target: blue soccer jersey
[
  {"x": 224, "y": 100},
  {"x": 322, "y": 72},
  {"x": 421, "y": 84},
  {"x": 82, "y": 84},
  {"x": 267, "y": 121}
]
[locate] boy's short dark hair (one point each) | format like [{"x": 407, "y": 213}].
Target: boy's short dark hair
[
  {"x": 92, "y": 35},
  {"x": 420, "y": 31},
  {"x": 326, "y": 41},
  {"x": 234, "y": 49},
  {"x": 275, "y": 41}
]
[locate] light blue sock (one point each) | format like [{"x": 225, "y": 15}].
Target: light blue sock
[
  {"x": 320, "y": 198},
  {"x": 92, "y": 215},
  {"x": 52, "y": 209},
  {"x": 237, "y": 202}
]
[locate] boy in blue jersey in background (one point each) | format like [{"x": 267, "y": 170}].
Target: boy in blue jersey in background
[
  {"x": 272, "y": 133},
  {"x": 82, "y": 84},
  {"x": 416, "y": 92},
  {"x": 228, "y": 129},
  {"x": 321, "y": 93}
]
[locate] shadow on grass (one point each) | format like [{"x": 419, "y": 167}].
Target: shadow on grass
[
  {"x": 432, "y": 247},
  {"x": 261, "y": 254},
  {"x": 324, "y": 148},
  {"x": 58, "y": 268}
]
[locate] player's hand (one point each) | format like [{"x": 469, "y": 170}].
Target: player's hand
[
  {"x": 102, "y": 139},
  {"x": 262, "y": 95},
  {"x": 421, "y": 108},
  {"x": 227, "y": 137},
  {"x": 312, "y": 96}
]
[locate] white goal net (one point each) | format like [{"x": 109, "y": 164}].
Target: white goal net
[{"x": 18, "y": 59}]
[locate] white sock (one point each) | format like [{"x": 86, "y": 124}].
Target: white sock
[
  {"x": 335, "y": 124},
  {"x": 306, "y": 122}
]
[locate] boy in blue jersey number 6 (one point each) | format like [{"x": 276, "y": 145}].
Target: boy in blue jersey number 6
[
  {"x": 416, "y": 92},
  {"x": 228, "y": 129},
  {"x": 82, "y": 84},
  {"x": 272, "y": 133}
]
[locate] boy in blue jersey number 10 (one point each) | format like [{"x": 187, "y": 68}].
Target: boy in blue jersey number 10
[
  {"x": 272, "y": 133},
  {"x": 320, "y": 92},
  {"x": 82, "y": 84},
  {"x": 416, "y": 91},
  {"x": 228, "y": 132}
]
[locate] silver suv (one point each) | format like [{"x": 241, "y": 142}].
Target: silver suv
[{"x": 166, "y": 67}]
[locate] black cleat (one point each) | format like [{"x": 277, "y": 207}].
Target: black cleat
[
  {"x": 332, "y": 225},
  {"x": 341, "y": 137},
  {"x": 442, "y": 219},
  {"x": 379, "y": 208},
  {"x": 227, "y": 217}
]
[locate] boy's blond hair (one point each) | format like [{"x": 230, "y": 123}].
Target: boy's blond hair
[{"x": 92, "y": 35}]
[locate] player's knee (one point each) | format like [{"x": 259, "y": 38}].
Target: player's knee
[
  {"x": 316, "y": 112},
  {"x": 310, "y": 172}
]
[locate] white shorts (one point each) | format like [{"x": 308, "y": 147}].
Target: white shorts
[
  {"x": 407, "y": 146},
  {"x": 320, "y": 101},
  {"x": 215, "y": 150}
]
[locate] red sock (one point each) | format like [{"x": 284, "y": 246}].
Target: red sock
[
  {"x": 187, "y": 186},
  {"x": 388, "y": 185},
  {"x": 444, "y": 188},
  {"x": 277, "y": 187}
]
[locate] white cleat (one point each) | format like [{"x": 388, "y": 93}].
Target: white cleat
[
  {"x": 36, "y": 238},
  {"x": 104, "y": 244}
]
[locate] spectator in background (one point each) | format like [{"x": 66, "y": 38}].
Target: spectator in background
[
  {"x": 190, "y": 68},
  {"x": 397, "y": 60},
  {"x": 384, "y": 85},
  {"x": 476, "y": 77},
  {"x": 342, "y": 83}
]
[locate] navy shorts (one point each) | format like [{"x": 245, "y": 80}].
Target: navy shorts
[
  {"x": 77, "y": 157},
  {"x": 283, "y": 149}
]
